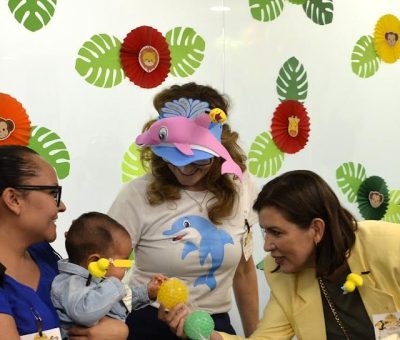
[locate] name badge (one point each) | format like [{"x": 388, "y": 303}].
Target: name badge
[
  {"x": 50, "y": 334},
  {"x": 387, "y": 326}
]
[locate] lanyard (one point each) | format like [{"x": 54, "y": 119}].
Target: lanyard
[{"x": 38, "y": 320}]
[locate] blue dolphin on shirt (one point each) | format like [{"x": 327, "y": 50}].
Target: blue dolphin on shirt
[{"x": 199, "y": 234}]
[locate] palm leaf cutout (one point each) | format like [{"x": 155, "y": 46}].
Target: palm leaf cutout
[
  {"x": 364, "y": 60},
  {"x": 319, "y": 11},
  {"x": 98, "y": 61},
  {"x": 393, "y": 210},
  {"x": 265, "y": 158},
  {"x": 50, "y": 146},
  {"x": 292, "y": 81},
  {"x": 349, "y": 177},
  {"x": 33, "y": 14},
  {"x": 260, "y": 265},
  {"x": 265, "y": 10},
  {"x": 187, "y": 50},
  {"x": 297, "y": 2},
  {"x": 131, "y": 165}
]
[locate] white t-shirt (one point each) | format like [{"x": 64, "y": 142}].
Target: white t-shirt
[{"x": 177, "y": 239}]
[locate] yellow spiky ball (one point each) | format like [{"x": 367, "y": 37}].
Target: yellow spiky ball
[{"x": 172, "y": 292}]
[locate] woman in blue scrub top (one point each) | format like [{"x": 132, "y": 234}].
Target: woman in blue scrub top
[{"x": 30, "y": 200}]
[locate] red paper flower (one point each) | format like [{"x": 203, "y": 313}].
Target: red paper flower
[
  {"x": 145, "y": 57},
  {"x": 290, "y": 126},
  {"x": 15, "y": 126}
]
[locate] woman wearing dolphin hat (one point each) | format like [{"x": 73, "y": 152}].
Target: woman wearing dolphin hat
[{"x": 190, "y": 217}]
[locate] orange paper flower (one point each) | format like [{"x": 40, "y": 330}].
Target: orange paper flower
[
  {"x": 290, "y": 126},
  {"x": 145, "y": 57},
  {"x": 15, "y": 126}
]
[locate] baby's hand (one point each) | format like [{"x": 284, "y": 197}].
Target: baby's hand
[{"x": 154, "y": 285}]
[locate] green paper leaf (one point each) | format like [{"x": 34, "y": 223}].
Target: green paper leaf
[
  {"x": 364, "y": 60},
  {"x": 98, "y": 61},
  {"x": 393, "y": 211},
  {"x": 260, "y": 265},
  {"x": 131, "y": 165},
  {"x": 319, "y": 11},
  {"x": 297, "y": 2},
  {"x": 50, "y": 146},
  {"x": 349, "y": 177},
  {"x": 187, "y": 51},
  {"x": 265, "y": 10},
  {"x": 33, "y": 14},
  {"x": 292, "y": 81},
  {"x": 265, "y": 158}
]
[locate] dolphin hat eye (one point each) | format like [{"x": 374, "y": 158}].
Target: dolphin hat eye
[
  {"x": 186, "y": 224},
  {"x": 163, "y": 133}
]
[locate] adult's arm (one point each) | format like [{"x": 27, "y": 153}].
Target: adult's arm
[
  {"x": 273, "y": 326},
  {"x": 8, "y": 328},
  {"x": 106, "y": 329},
  {"x": 246, "y": 294}
]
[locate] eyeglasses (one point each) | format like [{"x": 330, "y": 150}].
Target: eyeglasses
[
  {"x": 55, "y": 190},
  {"x": 200, "y": 162}
]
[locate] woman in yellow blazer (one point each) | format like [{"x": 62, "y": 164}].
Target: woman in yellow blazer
[{"x": 314, "y": 244}]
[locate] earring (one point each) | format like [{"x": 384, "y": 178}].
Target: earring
[{"x": 352, "y": 281}]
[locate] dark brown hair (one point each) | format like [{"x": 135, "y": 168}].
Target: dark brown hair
[
  {"x": 91, "y": 233},
  {"x": 302, "y": 195},
  {"x": 164, "y": 186}
]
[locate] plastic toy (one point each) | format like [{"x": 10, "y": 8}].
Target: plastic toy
[
  {"x": 172, "y": 292},
  {"x": 99, "y": 268},
  {"x": 198, "y": 325}
]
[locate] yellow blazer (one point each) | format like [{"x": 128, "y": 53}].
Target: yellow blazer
[{"x": 295, "y": 304}]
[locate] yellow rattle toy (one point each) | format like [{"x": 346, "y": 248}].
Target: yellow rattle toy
[{"x": 99, "y": 268}]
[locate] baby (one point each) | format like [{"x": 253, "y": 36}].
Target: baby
[{"x": 81, "y": 298}]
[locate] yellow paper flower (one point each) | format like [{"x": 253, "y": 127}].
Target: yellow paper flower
[{"x": 386, "y": 38}]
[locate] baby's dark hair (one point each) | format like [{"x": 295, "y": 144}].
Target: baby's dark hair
[{"x": 91, "y": 233}]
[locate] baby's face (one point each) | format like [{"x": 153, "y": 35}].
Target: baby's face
[{"x": 122, "y": 253}]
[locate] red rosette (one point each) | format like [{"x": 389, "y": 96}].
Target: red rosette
[
  {"x": 290, "y": 126},
  {"x": 145, "y": 57},
  {"x": 15, "y": 126}
]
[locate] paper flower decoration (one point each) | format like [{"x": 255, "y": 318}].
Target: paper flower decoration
[
  {"x": 15, "y": 126},
  {"x": 145, "y": 57},
  {"x": 386, "y": 38},
  {"x": 290, "y": 126},
  {"x": 373, "y": 198}
]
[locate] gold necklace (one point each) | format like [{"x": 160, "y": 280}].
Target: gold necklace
[
  {"x": 199, "y": 204},
  {"x": 332, "y": 307}
]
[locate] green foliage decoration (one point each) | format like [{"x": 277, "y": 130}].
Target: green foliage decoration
[
  {"x": 393, "y": 210},
  {"x": 50, "y": 146},
  {"x": 364, "y": 60},
  {"x": 187, "y": 50},
  {"x": 292, "y": 81},
  {"x": 349, "y": 177},
  {"x": 33, "y": 14},
  {"x": 319, "y": 11},
  {"x": 131, "y": 165},
  {"x": 265, "y": 158},
  {"x": 98, "y": 61},
  {"x": 266, "y": 10}
]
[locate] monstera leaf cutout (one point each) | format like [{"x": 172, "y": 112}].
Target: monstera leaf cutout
[
  {"x": 319, "y": 11},
  {"x": 131, "y": 165},
  {"x": 292, "y": 81},
  {"x": 297, "y": 2},
  {"x": 265, "y": 158},
  {"x": 364, "y": 60},
  {"x": 265, "y": 10},
  {"x": 393, "y": 210},
  {"x": 98, "y": 61},
  {"x": 260, "y": 265},
  {"x": 187, "y": 51},
  {"x": 50, "y": 146},
  {"x": 33, "y": 14},
  {"x": 349, "y": 177}
]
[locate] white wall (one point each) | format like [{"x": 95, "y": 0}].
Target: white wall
[{"x": 352, "y": 119}]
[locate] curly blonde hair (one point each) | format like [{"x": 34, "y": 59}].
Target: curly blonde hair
[{"x": 165, "y": 187}]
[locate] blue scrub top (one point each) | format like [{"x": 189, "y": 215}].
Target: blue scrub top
[{"x": 21, "y": 301}]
